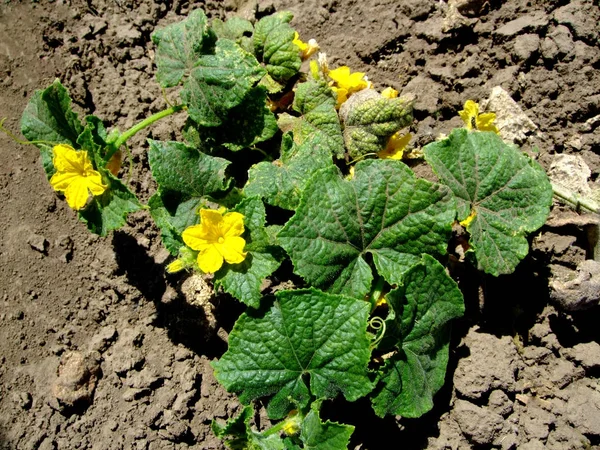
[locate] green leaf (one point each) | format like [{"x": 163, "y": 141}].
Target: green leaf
[
  {"x": 509, "y": 193},
  {"x": 219, "y": 82},
  {"x": 324, "y": 435},
  {"x": 282, "y": 182},
  {"x": 370, "y": 124},
  {"x": 180, "y": 46},
  {"x": 48, "y": 117},
  {"x": 242, "y": 437},
  {"x": 173, "y": 215},
  {"x": 180, "y": 168},
  {"x": 273, "y": 45},
  {"x": 109, "y": 211},
  {"x": 305, "y": 333},
  {"x": 246, "y": 125},
  {"x": 244, "y": 280},
  {"x": 237, "y": 30},
  {"x": 418, "y": 326},
  {"x": 384, "y": 211},
  {"x": 316, "y": 101}
]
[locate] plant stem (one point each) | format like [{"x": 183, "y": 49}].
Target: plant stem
[
  {"x": 141, "y": 125},
  {"x": 575, "y": 200}
]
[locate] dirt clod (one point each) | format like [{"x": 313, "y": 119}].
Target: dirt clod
[{"x": 77, "y": 378}]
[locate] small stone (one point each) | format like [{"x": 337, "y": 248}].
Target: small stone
[
  {"x": 586, "y": 354},
  {"x": 479, "y": 424},
  {"x": 500, "y": 403},
  {"x": 77, "y": 377},
  {"x": 103, "y": 339},
  {"x": 526, "y": 45},
  {"x": 22, "y": 399},
  {"x": 528, "y": 22},
  {"x": 513, "y": 124},
  {"x": 575, "y": 290},
  {"x": 563, "y": 40},
  {"x": 38, "y": 242}
]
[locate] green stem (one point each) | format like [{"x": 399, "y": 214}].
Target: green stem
[
  {"x": 575, "y": 200},
  {"x": 140, "y": 126}
]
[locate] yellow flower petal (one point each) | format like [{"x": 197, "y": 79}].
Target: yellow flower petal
[
  {"x": 300, "y": 44},
  {"x": 389, "y": 92},
  {"x": 77, "y": 194},
  {"x": 210, "y": 259},
  {"x": 395, "y": 146},
  {"x": 232, "y": 224},
  {"x": 351, "y": 82},
  {"x": 232, "y": 249},
  {"x": 485, "y": 121},
  {"x": 61, "y": 180},
  {"x": 196, "y": 237},
  {"x": 469, "y": 114},
  {"x": 175, "y": 266},
  {"x": 465, "y": 223}
]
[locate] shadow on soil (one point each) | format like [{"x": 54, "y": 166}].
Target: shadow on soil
[{"x": 186, "y": 324}]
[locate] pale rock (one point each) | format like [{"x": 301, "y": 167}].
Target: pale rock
[
  {"x": 513, "y": 124},
  {"x": 575, "y": 290},
  {"x": 77, "y": 377},
  {"x": 532, "y": 22},
  {"x": 571, "y": 172}
]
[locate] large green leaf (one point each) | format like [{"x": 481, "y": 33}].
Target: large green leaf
[
  {"x": 244, "y": 280},
  {"x": 179, "y": 47},
  {"x": 180, "y": 168},
  {"x": 417, "y": 326},
  {"x": 369, "y": 125},
  {"x": 237, "y": 30},
  {"x": 305, "y": 333},
  {"x": 48, "y": 117},
  {"x": 246, "y": 125},
  {"x": 281, "y": 182},
  {"x": 384, "y": 211},
  {"x": 508, "y": 193},
  {"x": 315, "y": 101},
  {"x": 220, "y": 81},
  {"x": 327, "y": 435},
  {"x": 273, "y": 45}
]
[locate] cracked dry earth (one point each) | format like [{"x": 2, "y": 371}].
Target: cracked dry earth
[{"x": 99, "y": 349}]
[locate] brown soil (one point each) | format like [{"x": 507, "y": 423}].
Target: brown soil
[{"x": 99, "y": 348}]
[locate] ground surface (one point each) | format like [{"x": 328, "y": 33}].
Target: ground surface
[{"x": 524, "y": 366}]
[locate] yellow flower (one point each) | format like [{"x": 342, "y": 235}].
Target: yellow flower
[
  {"x": 345, "y": 83},
  {"x": 465, "y": 223},
  {"x": 217, "y": 238},
  {"x": 306, "y": 48},
  {"x": 389, "y": 92},
  {"x": 75, "y": 176},
  {"x": 395, "y": 146},
  {"x": 473, "y": 120}
]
